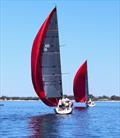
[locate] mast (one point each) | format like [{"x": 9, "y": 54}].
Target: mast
[
  {"x": 87, "y": 84},
  {"x": 45, "y": 62}
]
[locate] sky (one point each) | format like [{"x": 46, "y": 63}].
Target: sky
[{"x": 88, "y": 30}]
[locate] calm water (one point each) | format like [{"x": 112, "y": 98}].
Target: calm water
[{"x": 34, "y": 119}]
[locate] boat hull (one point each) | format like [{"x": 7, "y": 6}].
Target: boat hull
[{"x": 64, "y": 111}]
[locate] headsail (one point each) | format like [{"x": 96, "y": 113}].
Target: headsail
[
  {"x": 80, "y": 86},
  {"x": 45, "y": 62}
]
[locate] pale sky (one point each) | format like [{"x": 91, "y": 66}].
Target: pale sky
[{"x": 88, "y": 29}]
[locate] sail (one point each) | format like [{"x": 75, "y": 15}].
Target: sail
[
  {"x": 45, "y": 62},
  {"x": 80, "y": 85}
]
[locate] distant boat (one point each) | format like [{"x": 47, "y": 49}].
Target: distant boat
[
  {"x": 45, "y": 62},
  {"x": 80, "y": 86}
]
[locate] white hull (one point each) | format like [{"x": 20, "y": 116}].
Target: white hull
[{"x": 63, "y": 111}]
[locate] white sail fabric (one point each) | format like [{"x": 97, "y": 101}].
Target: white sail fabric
[{"x": 51, "y": 67}]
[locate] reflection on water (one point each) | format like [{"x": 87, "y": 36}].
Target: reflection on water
[
  {"x": 80, "y": 108},
  {"x": 41, "y": 124},
  {"x": 83, "y": 122},
  {"x": 55, "y": 126},
  {"x": 48, "y": 125},
  {"x": 35, "y": 120}
]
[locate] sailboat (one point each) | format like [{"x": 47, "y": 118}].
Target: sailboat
[
  {"x": 45, "y": 62},
  {"x": 80, "y": 86}
]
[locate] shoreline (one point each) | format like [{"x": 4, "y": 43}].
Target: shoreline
[
  {"x": 40, "y": 100},
  {"x": 17, "y": 100}
]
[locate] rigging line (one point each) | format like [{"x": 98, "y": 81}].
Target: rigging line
[
  {"x": 53, "y": 30},
  {"x": 50, "y": 66},
  {"x": 52, "y": 75},
  {"x": 52, "y": 52},
  {"x": 65, "y": 73},
  {"x": 51, "y": 83},
  {"x": 62, "y": 45},
  {"x": 55, "y": 74}
]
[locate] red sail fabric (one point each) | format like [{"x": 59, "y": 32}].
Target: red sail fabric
[
  {"x": 80, "y": 86},
  {"x": 36, "y": 61}
]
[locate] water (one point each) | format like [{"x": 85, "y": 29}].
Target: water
[{"x": 35, "y": 120}]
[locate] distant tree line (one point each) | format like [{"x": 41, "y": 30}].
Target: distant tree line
[
  {"x": 99, "y": 98},
  {"x": 18, "y": 98}
]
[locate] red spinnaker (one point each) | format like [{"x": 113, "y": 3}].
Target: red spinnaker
[
  {"x": 80, "y": 86},
  {"x": 36, "y": 62}
]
